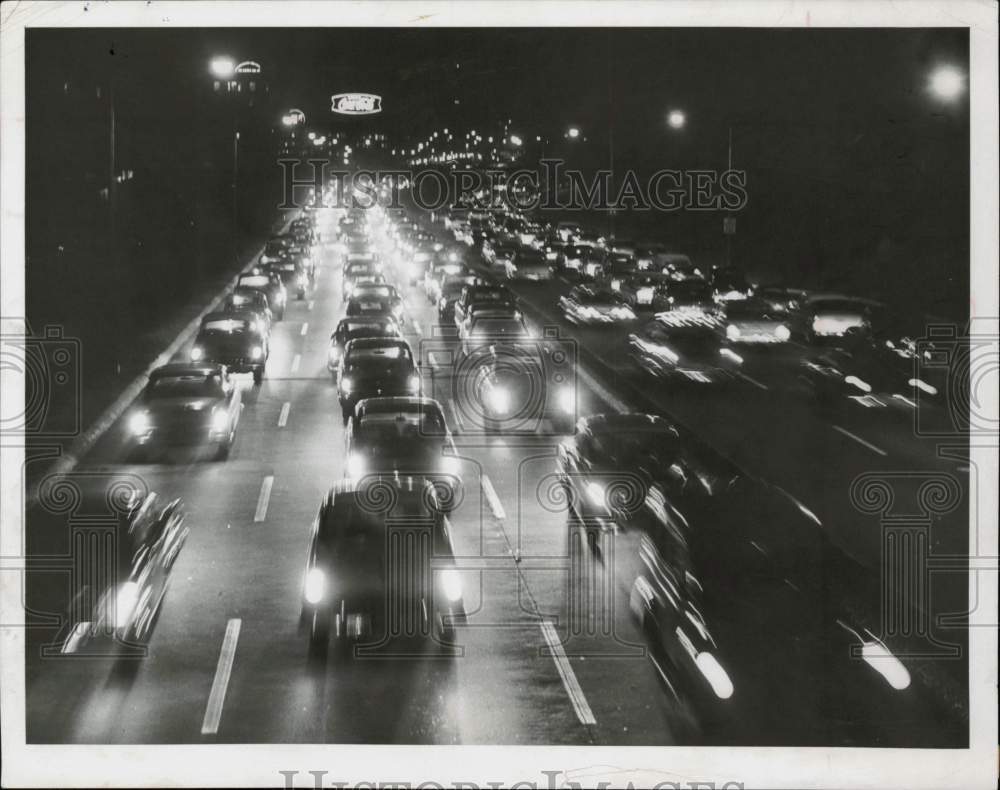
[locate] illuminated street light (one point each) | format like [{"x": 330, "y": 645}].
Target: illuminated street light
[
  {"x": 676, "y": 119},
  {"x": 223, "y": 67},
  {"x": 947, "y": 83}
]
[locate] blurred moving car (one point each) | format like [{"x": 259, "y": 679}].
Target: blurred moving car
[
  {"x": 374, "y": 574},
  {"x": 646, "y": 290},
  {"x": 185, "y": 404},
  {"x": 753, "y": 321},
  {"x": 688, "y": 352},
  {"x": 149, "y": 536},
  {"x": 730, "y": 284},
  {"x": 528, "y": 264},
  {"x": 233, "y": 341},
  {"x": 833, "y": 316},
  {"x": 482, "y": 293},
  {"x": 374, "y": 367},
  {"x": 594, "y": 305}
]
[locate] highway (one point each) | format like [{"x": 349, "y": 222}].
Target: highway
[{"x": 536, "y": 663}]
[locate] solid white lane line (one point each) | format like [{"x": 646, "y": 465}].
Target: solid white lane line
[
  {"x": 752, "y": 380},
  {"x": 262, "y": 499},
  {"x": 213, "y": 711},
  {"x": 296, "y": 361},
  {"x": 305, "y": 328},
  {"x": 492, "y": 499},
  {"x": 859, "y": 440},
  {"x": 283, "y": 417},
  {"x": 570, "y": 683}
]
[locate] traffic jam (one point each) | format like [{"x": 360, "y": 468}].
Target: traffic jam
[{"x": 505, "y": 486}]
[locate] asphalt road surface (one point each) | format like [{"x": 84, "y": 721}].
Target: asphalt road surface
[{"x": 537, "y": 662}]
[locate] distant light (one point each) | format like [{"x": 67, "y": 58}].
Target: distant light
[
  {"x": 311, "y": 135},
  {"x": 515, "y": 140},
  {"x": 288, "y": 120},
  {"x": 573, "y": 133},
  {"x": 223, "y": 67},
  {"x": 676, "y": 119},
  {"x": 947, "y": 83}
]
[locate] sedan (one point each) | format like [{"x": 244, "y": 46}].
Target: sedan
[
  {"x": 349, "y": 329},
  {"x": 185, "y": 404},
  {"x": 594, "y": 305},
  {"x": 374, "y": 367},
  {"x": 231, "y": 340},
  {"x": 686, "y": 353}
]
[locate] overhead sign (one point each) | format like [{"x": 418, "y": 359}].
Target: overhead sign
[
  {"x": 356, "y": 103},
  {"x": 248, "y": 67}
]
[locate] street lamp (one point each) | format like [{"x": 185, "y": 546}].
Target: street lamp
[
  {"x": 947, "y": 83},
  {"x": 223, "y": 67},
  {"x": 676, "y": 119}
]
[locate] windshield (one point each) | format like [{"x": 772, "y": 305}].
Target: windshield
[
  {"x": 367, "y": 354},
  {"x": 377, "y": 431},
  {"x": 225, "y": 326},
  {"x": 498, "y": 326},
  {"x": 255, "y": 281},
  {"x": 370, "y": 291}
]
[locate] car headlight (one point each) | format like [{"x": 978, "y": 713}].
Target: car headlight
[
  {"x": 334, "y": 354},
  {"x": 126, "y": 600},
  {"x": 346, "y": 384},
  {"x": 413, "y": 384},
  {"x": 451, "y": 585},
  {"x": 782, "y": 332},
  {"x": 567, "y": 399},
  {"x": 452, "y": 256},
  {"x": 197, "y": 352},
  {"x": 355, "y": 466},
  {"x": 315, "y": 585},
  {"x": 595, "y": 493},
  {"x": 733, "y": 332},
  {"x": 499, "y": 400},
  {"x": 139, "y": 423},
  {"x": 256, "y": 352},
  {"x": 716, "y": 676},
  {"x": 220, "y": 422}
]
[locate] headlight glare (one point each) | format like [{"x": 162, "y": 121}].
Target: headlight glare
[
  {"x": 315, "y": 585},
  {"x": 451, "y": 585}
]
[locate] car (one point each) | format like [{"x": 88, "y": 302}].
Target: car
[
  {"x": 576, "y": 257},
  {"x": 832, "y": 317},
  {"x": 185, "y": 404},
  {"x": 370, "y": 294},
  {"x": 691, "y": 296},
  {"x": 358, "y": 271},
  {"x": 231, "y": 340},
  {"x": 361, "y": 587},
  {"x": 373, "y": 367},
  {"x": 754, "y": 321},
  {"x": 780, "y": 299},
  {"x": 253, "y": 303},
  {"x": 679, "y": 266},
  {"x": 451, "y": 292},
  {"x": 878, "y": 377},
  {"x": 528, "y": 264},
  {"x": 594, "y": 305},
  {"x": 276, "y": 249},
  {"x": 606, "y": 466},
  {"x": 293, "y": 275},
  {"x": 568, "y": 231},
  {"x": 446, "y": 265},
  {"x": 496, "y": 256},
  {"x": 761, "y": 630},
  {"x": 149, "y": 536},
  {"x": 419, "y": 260},
  {"x": 404, "y": 436},
  {"x": 490, "y": 324},
  {"x": 349, "y": 329},
  {"x": 617, "y": 267},
  {"x": 645, "y": 290},
  {"x": 516, "y": 383},
  {"x": 498, "y": 295},
  {"x": 268, "y": 284},
  {"x": 730, "y": 284},
  {"x": 688, "y": 352},
  {"x": 555, "y": 249}
]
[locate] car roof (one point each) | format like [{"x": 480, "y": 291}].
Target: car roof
[
  {"x": 172, "y": 369},
  {"x": 223, "y": 315}
]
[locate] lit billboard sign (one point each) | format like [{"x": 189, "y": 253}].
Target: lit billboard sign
[{"x": 356, "y": 103}]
